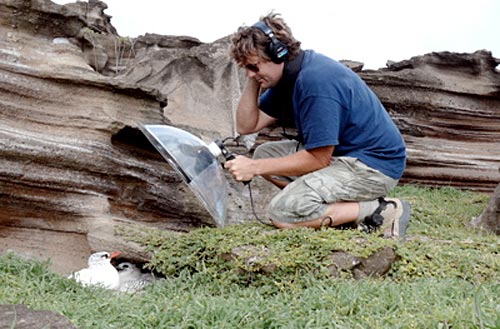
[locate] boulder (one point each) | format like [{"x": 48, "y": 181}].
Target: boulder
[{"x": 21, "y": 317}]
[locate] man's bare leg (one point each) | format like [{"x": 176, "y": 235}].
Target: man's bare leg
[
  {"x": 340, "y": 213},
  {"x": 280, "y": 183}
]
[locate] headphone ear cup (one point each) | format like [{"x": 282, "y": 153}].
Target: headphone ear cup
[{"x": 278, "y": 51}]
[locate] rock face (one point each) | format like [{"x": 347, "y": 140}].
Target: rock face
[
  {"x": 447, "y": 105},
  {"x": 73, "y": 163},
  {"x": 72, "y": 160}
]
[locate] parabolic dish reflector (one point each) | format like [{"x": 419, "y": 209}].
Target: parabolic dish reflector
[{"x": 192, "y": 160}]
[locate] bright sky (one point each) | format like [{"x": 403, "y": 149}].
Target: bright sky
[{"x": 369, "y": 31}]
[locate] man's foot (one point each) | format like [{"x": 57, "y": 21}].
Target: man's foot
[{"x": 392, "y": 218}]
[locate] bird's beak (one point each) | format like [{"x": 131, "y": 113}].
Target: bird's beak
[{"x": 114, "y": 254}]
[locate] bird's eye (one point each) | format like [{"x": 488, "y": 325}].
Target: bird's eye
[
  {"x": 105, "y": 256},
  {"x": 125, "y": 266}
]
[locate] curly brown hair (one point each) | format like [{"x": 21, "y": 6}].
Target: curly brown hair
[{"x": 251, "y": 41}]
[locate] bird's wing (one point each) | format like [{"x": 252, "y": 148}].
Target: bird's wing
[
  {"x": 105, "y": 277},
  {"x": 132, "y": 286},
  {"x": 108, "y": 277},
  {"x": 84, "y": 276}
]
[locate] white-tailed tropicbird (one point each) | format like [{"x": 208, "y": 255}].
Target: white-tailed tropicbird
[
  {"x": 131, "y": 277},
  {"x": 100, "y": 271}
]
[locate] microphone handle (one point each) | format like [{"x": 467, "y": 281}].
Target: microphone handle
[{"x": 230, "y": 156}]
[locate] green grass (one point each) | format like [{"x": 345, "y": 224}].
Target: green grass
[{"x": 447, "y": 276}]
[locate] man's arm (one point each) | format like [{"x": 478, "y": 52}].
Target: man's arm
[
  {"x": 296, "y": 164},
  {"x": 249, "y": 118}
]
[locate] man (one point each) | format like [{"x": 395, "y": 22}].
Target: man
[{"x": 349, "y": 153}]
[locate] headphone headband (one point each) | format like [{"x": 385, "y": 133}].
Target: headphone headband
[
  {"x": 261, "y": 25},
  {"x": 277, "y": 50}
]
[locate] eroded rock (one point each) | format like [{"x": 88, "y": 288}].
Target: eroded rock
[{"x": 21, "y": 317}]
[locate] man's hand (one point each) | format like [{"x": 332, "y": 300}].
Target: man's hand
[
  {"x": 296, "y": 164},
  {"x": 242, "y": 168},
  {"x": 249, "y": 118}
]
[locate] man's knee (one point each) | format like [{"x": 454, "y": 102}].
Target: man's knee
[
  {"x": 296, "y": 205},
  {"x": 275, "y": 149},
  {"x": 262, "y": 152}
]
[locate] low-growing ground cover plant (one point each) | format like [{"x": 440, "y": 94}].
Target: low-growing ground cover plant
[{"x": 446, "y": 276}]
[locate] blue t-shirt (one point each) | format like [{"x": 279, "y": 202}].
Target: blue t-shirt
[{"x": 332, "y": 105}]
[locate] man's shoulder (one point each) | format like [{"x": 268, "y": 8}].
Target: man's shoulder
[
  {"x": 322, "y": 75},
  {"x": 317, "y": 65},
  {"x": 313, "y": 58}
]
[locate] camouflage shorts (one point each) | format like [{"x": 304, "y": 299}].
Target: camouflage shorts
[{"x": 307, "y": 197}]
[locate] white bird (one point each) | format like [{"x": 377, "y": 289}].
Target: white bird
[
  {"x": 100, "y": 271},
  {"x": 131, "y": 277}
]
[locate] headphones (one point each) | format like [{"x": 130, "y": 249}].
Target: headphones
[{"x": 277, "y": 50}]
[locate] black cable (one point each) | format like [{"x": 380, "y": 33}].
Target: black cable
[
  {"x": 234, "y": 139},
  {"x": 229, "y": 156},
  {"x": 253, "y": 207}
]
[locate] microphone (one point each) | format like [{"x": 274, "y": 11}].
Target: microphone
[{"x": 217, "y": 148}]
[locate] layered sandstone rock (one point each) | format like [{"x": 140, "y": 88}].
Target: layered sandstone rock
[
  {"x": 71, "y": 157},
  {"x": 448, "y": 107}
]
